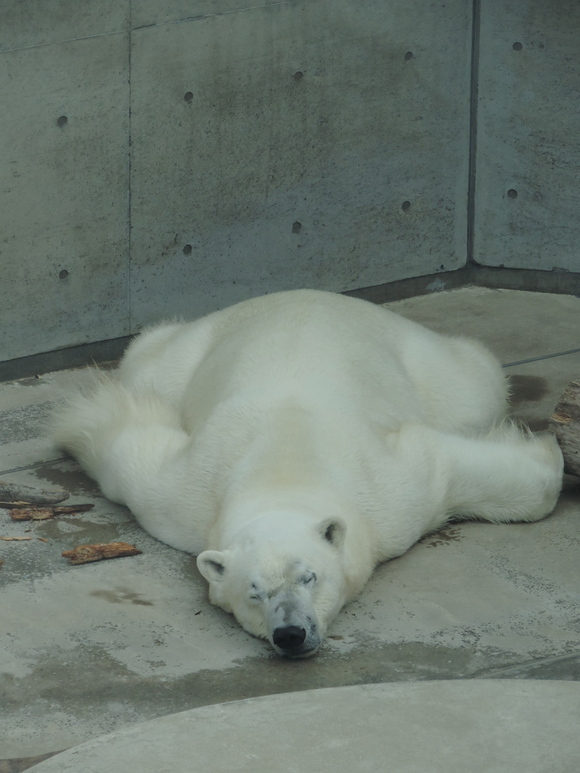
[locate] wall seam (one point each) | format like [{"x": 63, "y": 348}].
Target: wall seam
[
  {"x": 473, "y": 116},
  {"x": 130, "y": 174}
]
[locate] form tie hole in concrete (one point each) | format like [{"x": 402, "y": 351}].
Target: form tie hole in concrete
[
  {"x": 188, "y": 249},
  {"x": 408, "y": 56},
  {"x": 188, "y": 96},
  {"x": 63, "y": 274},
  {"x": 406, "y": 206},
  {"x": 62, "y": 121},
  {"x": 296, "y": 227},
  {"x": 298, "y": 76},
  {"x": 517, "y": 46},
  {"x": 512, "y": 193}
]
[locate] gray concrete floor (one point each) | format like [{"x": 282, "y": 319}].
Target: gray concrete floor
[
  {"x": 86, "y": 650},
  {"x": 445, "y": 726}
]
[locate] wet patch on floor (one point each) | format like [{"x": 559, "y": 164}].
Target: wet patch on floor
[
  {"x": 68, "y": 476},
  {"x": 443, "y": 537},
  {"x": 121, "y": 596},
  {"x": 527, "y": 389}
]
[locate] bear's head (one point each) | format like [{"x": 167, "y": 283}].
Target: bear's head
[{"x": 285, "y": 590}]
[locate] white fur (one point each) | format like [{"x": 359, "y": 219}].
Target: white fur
[{"x": 298, "y": 439}]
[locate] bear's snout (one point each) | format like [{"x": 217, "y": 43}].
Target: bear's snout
[
  {"x": 289, "y": 637},
  {"x": 292, "y": 623}
]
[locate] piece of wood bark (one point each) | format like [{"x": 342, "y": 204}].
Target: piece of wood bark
[
  {"x": 565, "y": 424},
  {"x": 44, "y": 513},
  {"x": 15, "y": 492},
  {"x": 15, "y": 539},
  {"x": 85, "y": 554},
  {"x": 71, "y": 509},
  {"x": 32, "y": 514}
]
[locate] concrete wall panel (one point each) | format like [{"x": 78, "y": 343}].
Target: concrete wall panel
[
  {"x": 320, "y": 144},
  {"x": 64, "y": 195},
  {"x": 528, "y": 148}
]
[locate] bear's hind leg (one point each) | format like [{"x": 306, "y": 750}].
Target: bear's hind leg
[
  {"x": 118, "y": 437},
  {"x": 134, "y": 447},
  {"x": 509, "y": 475}
]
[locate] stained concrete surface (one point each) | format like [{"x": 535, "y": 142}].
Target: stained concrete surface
[
  {"x": 164, "y": 156},
  {"x": 439, "y": 727},
  {"x": 87, "y": 650}
]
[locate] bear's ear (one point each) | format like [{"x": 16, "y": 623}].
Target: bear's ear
[
  {"x": 333, "y": 530},
  {"x": 212, "y": 565}
]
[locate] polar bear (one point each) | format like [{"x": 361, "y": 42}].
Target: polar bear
[{"x": 294, "y": 441}]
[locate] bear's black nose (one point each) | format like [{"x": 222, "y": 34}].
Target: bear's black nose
[{"x": 289, "y": 638}]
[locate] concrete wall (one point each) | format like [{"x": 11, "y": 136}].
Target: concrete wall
[
  {"x": 171, "y": 158},
  {"x": 165, "y": 159},
  {"x": 64, "y": 172},
  {"x": 528, "y": 135}
]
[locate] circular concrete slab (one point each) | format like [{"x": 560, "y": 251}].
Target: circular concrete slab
[{"x": 504, "y": 726}]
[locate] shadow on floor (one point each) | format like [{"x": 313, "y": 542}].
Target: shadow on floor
[{"x": 23, "y": 763}]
